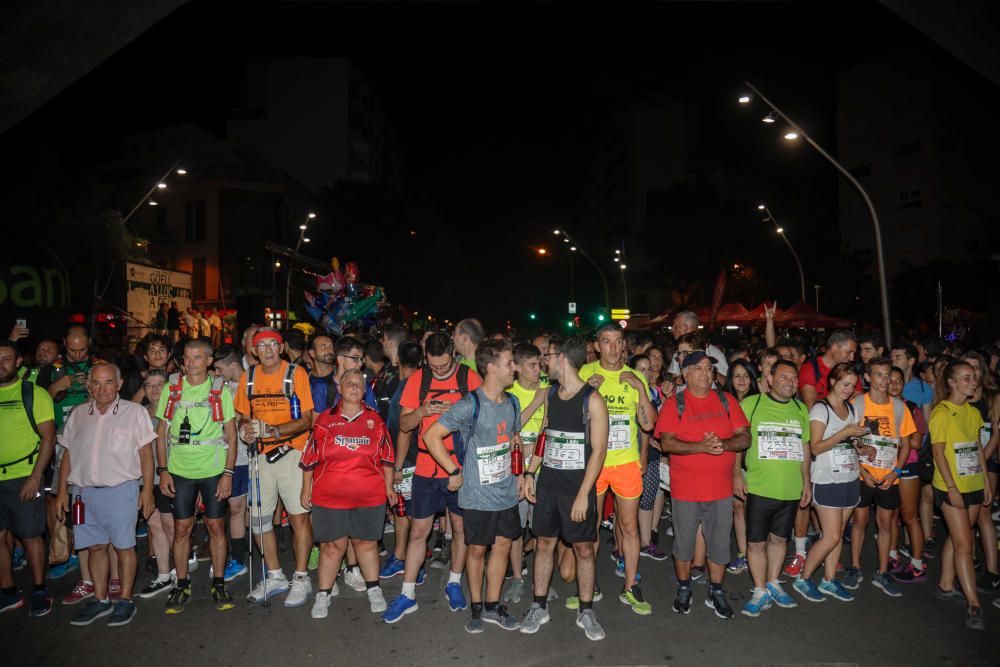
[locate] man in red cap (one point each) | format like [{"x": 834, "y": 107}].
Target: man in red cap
[{"x": 275, "y": 409}]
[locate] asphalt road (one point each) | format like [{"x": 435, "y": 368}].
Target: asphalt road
[{"x": 916, "y": 629}]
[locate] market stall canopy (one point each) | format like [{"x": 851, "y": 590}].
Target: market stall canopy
[
  {"x": 805, "y": 316},
  {"x": 730, "y": 313}
]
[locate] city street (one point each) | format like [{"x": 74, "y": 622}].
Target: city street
[{"x": 916, "y": 629}]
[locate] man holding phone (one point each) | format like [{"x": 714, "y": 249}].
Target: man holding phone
[{"x": 66, "y": 378}]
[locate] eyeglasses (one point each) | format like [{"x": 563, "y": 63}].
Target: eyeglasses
[
  {"x": 273, "y": 344},
  {"x": 355, "y": 358}
]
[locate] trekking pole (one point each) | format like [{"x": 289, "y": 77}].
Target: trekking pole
[
  {"x": 248, "y": 519},
  {"x": 260, "y": 511}
]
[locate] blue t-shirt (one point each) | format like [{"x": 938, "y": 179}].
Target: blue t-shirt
[
  {"x": 488, "y": 484},
  {"x": 919, "y": 392}
]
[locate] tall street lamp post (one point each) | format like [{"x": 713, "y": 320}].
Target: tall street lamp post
[
  {"x": 574, "y": 247},
  {"x": 288, "y": 280},
  {"x": 781, "y": 232}
]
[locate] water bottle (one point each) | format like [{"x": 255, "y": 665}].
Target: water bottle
[
  {"x": 184, "y": 437},
  {"x": 400, "y": 509},
  {"x": 296, "y": 406},
  {"x": 540, "y": 444},
  {"x": 516, "y": 460},
  {"x": 79, "y": 513}
]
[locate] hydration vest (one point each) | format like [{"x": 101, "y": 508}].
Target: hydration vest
[
  {"x": 213, "y": 403},
  {"x": 287, "y": 389}
]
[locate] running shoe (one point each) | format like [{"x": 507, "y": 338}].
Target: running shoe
[
  {"x": 987, "y": 582},
  {"x": 716, "y": 601},
  {"x": 12, "y": 601},
  {"x": 633, "y": 598},
  {"x": 179, "y": 597},
  {"x": 18, "y": 561},
  {"x": 620, "y": 570},
  {"x": 615, "y": 556},
  {"x": 759, "y": 601},
  {"x": 398, "y": 608},
  {"x": 738, "y": 565},
  {"x": 573, "y": 601},
  {"x": 94, "y": 610},
  {"x": 929, "y": 546},
  {"x": 353, "y": 578},
  {"x": 456, "y": 600},
  {"x": 587, "y": 620},
  {"x": 853, "y": 576},
  {"x": 275, "y": 586},
  {"x": 834, "y": 589},
  {"x": 222, "y": 598},
  {"x": 234, "y": 569},
  {"x": 514, "y": 591},
  {"x": 996, "y": 603},
  {"x": 155, "y": 587},
  {"x": 321, "y": 605},
  {"x": 41, "y": 603},
  {"x": 699, "y": 575},
  {"x": 885, "y": 581},
  {"x": 122, "y": 613},
  {"x": 974, "y": 619},
  {"x": 780, "y": 597},
  {"x": 421, "y": 577},
  {"x": 80, "y": 592},
  {"x": 795, "y": 565},
  {"x": 392, "y": 567},
  {"x": 953, "y": 594},
  {"x": 140, "y": 532},
  {"x": 912, "y": 575},
  {"x": 313, "y": 562},
  {"x": 807, "y": 589},
  {"x": 682, "y": 600},
  {"x": 114, "y": 589},
  {"x": 389, "y": 528},
  {"x": 61, "y": 570},
  {"x": 475, "y": 625},
  {"x": 534, "y": 618},
  {"x": 382, "y": 551},
  {"x": 895, "y": 565},
  {"x": 298, "y": 591},
  {"x": 650, "y": 551},
  {"x": 501, "y": 617},
  {"x": 376, "y": 600}
]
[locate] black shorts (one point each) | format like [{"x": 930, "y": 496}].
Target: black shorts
[
  {"x": 482, "y": 528},
  {"x": 431, "y": 496},
  {"x": 769, "y": 516},
  {"x": 163, "y": 504},
  {"x": 971, "y": 498},
  {"x": 25, "y": 520},
  {"x": 186, "y": 496},
  {"x": 887, "y": 499},
  {"x": 551, "y": 518},
  {"x": 360, "y": 523}
]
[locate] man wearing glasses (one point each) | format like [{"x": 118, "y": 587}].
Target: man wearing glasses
[
  {"x": 263, "y": 402},
  {"x": 346, "y": 355}
]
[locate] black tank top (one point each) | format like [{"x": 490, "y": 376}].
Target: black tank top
[{"x": 567, "y": 449}]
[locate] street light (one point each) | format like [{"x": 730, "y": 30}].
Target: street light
[
  {"x": 160, "y": 184},
  {"x": 791, "y": 136},
  {"x": 781, "y": 232},
  {"x": 542, "y": 251},
  {"x": 879, "y": 256},
  {"x": 288, "y": 279},
  {"x": 573, "y": 244},
  {"x": 619, "y": 259}
]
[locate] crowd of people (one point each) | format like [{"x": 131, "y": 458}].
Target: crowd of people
[{"x": 497, "y": 458}]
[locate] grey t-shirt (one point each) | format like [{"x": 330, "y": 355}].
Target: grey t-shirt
[{"x": 488, "y": 485}]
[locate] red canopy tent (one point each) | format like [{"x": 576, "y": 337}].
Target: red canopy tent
[
  {"x": 755, "y": 316},
  {"x": 666, "y": 318},
  {"x": 805, "y": 316},
  {"x": 730, "y": 313}
]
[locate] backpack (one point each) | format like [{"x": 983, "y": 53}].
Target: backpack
[
  {"x": 462, "y": 379},
  {"x": 718, "y": 392},
  {"x": 214, "y": 402},
  {"x": 459, "y": 439},
  {"x": 28, "y": 403},
  {"x": 898, "y": 411},
  {"x": 287, "y": 384}
]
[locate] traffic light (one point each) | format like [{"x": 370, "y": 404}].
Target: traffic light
[
  {"x": 569, "y": 324},
  {"x": 531, "y": 316},
  {"x": 600, "y": 318}
]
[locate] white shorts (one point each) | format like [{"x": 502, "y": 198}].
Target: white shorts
[{"x": 282, "y": 479}]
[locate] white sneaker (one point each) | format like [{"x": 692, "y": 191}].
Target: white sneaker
[
  {"x": 353, "y": 578},
  {"x": 275, "y": 586},
  {"x": 377, "y": 600},
  {"x": 321, "y": 605},
  {"x": 299, "y": 591}
]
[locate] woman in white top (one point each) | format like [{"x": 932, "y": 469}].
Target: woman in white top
[{"x": 834, "y": 430}]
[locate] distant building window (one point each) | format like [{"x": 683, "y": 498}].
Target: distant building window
[
  {"x": 195, "y": 213},
  {"x": 909, "y": 199},
  {"x": 198, "y": 278},
  {"x": 861, "y": 171},
  {"x": 908, "y": 150}
]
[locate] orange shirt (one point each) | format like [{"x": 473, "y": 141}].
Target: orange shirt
[
  {"x": 440, "y": 390},
  {"x": 270, "y": 405},
  {"x": 886, "y": 442}
]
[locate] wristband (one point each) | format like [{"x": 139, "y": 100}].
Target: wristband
[
  {"x": 898, "y": 471},
  {"x": 161, "y": 469},
  {"x": 398, "y": 469},
  {"x": 228, "y": 471},
  {"x": 455, "y": 473},
  {"x": 528, "y": 473}
]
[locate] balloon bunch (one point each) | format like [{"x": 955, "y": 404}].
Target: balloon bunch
[{"x": 340, "y": 299}]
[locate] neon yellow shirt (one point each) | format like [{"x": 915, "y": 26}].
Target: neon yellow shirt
[
  {"x": 623, "y": 407},
  {"x": 957, "y": 426},
  {"x": 532, "y": 426}
]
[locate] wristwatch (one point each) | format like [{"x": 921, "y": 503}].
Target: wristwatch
[
  {"x": 456, "y": 472},
  {"x": 161, "y": 469},
  {"x": 528, "y": 473}
]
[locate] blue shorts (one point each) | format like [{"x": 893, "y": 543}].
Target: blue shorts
[
  {"x": 241, "y": 481},
  {"x": 109, "y": 516},
  {"x": 431, "y": 496}
]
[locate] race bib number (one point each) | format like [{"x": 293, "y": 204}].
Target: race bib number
[
  {"x": 844, "y": 459},
  {"x": 493, "y": 462},
  {"x": 779, "y": 442},
  {"x": 967, "y": 459},
  {"x": 529, "y": 438},
  {"x": 405, "y": 487},
  {"x": 985, "y": 433},
  {"x": 564, "y": 451},
  {"x": 664, "y": 474},
  {"x": 886, "y": 451},
  {"x": 619, "y": 432}
]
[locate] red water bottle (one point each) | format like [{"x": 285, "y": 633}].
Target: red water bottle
[
  {"x": 540, "y": 444},
  {"x": 78, "y": 512},
  {"x": 400, "y": 509},
  {"x": 516, "y": 459}
]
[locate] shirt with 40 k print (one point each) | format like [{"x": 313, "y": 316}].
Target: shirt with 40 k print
[{"x": 623, "y": 409}]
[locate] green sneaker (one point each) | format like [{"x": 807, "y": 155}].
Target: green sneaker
[
  {"x": 222, "y": 598},
  {"x": 573, "y": 601},
  {"x": 313, "y": 559},
  {"x": 179, "y": 597},
  {"x": 633, "y": 598}
]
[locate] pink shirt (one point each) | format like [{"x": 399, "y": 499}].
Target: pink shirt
[{"x": 104, "y": 448}]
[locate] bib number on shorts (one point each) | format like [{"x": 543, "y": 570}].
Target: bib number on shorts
[
  {"x": 619, "y": 432},
  {"x": 564, "y": 451},
  {"x": 886, "y": 451},
  {"x": 493, "y": 463},
  {"x": 405, "y": 487},
  {"x": 967, "y": 459},
  {"x": 779, "y": 442}
]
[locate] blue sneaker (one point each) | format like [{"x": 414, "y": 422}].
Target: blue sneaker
[
  {"x": 11, "y": 602},
  {"x": 392, "y": 567},
  {"x": 421, "y": 577},
  {"x": 759, "y": 602},
  {"x": 61, "y": 570},
  {"x": 780, "y": 597},
  {"x": 234, "y": 569},
  {"x": 18, "y": 560},
  {"x": 836, "y": 590},
  {"x": 620, "y": 570},
  {"x": 141, "y": 530},
  {"x": 807, "y": 589},
  {"x": 399, "y": 608},
  {"x": 456, "y": 600}
]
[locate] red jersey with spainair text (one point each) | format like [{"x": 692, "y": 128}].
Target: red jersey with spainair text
[{"x": 346, "y": 455}]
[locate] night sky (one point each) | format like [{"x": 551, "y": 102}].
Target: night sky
[{"x": 498, "y": 107}]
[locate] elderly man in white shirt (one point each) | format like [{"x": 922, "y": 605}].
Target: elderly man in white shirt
[
  {"x": 106, "y": 442},
  {"x": 686, "y": 322}
]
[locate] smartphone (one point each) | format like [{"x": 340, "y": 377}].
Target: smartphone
[
  {"x": 21, "y": 323},
  {"x": 871, "y": 423},
  {"x": 437, "y": 402}
]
